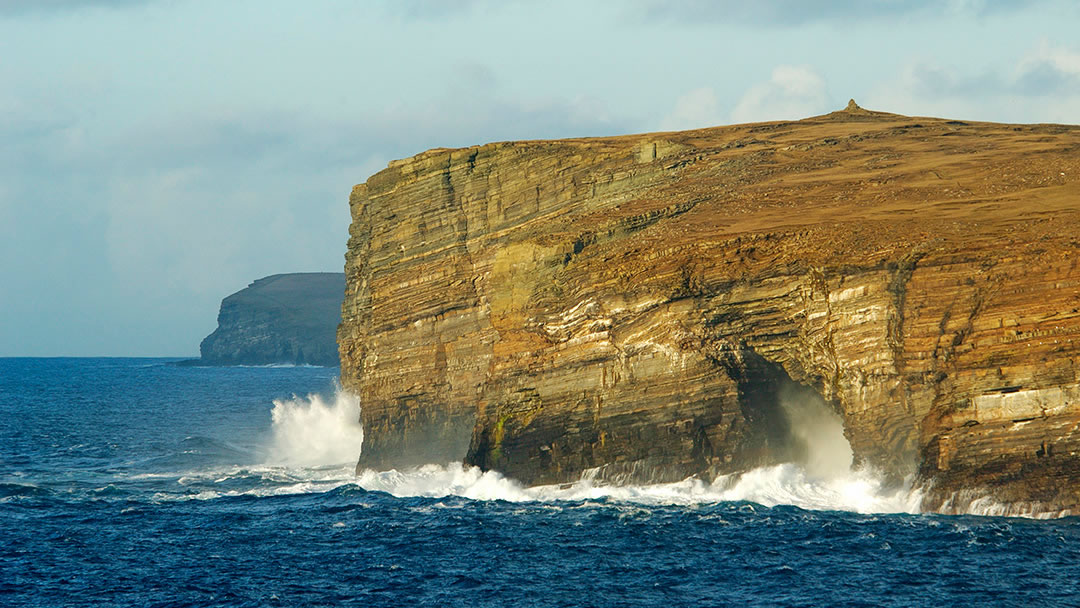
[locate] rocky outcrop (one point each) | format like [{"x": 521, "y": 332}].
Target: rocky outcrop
[
  {"x": 283, "y": 318},
  {"x": 639, "y": 305}
]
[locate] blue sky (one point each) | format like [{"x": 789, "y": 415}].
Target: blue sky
[{"x": 157, "y": 155}]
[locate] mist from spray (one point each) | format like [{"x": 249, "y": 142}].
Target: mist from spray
[
  {"x": 313, "y": 436},
  {"x": 817, "y": 432},
  {"x": 316, "y": 441},
  {"x": 819, "y": 476}
]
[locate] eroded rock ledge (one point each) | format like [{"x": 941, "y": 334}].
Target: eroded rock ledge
[{"x": 637, "y": 304}]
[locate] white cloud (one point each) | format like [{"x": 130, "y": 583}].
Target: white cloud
[
  {"x": 792, "y": 92},
  {"x": 19, "y": 7},
  {"x": 694, "y": 110},
  {"x": 1043, "y": 85},
  {"x": 799, "y": 12},
  {"x": 1051, "y": 66}
]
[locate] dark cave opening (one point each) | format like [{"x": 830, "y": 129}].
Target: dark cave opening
[{"x": 791, "y": 422}]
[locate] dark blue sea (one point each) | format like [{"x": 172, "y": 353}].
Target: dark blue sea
[{"x": 133, "y": 482}]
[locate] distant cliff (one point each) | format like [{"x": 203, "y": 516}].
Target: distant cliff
[
  {"x": 639, "y": 305},
  {"x": 283, "y": 318}
]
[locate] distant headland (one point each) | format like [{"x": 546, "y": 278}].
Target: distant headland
[{"x": 279, "y": 319}]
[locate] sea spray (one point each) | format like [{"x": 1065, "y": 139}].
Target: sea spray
[
  {"x": 311, "y": 432},
  {"x": 818, "y": 432},
  {"x": 983, "y": 502},
  {"x": 860, "y": 490},
  {"x": 315, "y": 433},
  {"x": 317, "y": 440},
  {"x": 787, "y": 484},
  {"x": 820, "y": 477},
  {"x": 453, "y": 479}
]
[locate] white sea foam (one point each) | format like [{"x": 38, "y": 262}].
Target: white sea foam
[
  {"x": 277, "y": 366},
  {"x": 980, "y": 502},
  {"x": 315, "y": 442},
  {"x": 259, "y": 480},
  {"x": 310, "y": 432},
  {"x": 453, "y": 479},
  {"x": 862, "y": 491},
  {"x": 312, "y": 448},
  {"x": 787, "y": 484}
]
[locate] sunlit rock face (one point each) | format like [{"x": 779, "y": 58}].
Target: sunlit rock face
[{"x": 637, "y": 307}]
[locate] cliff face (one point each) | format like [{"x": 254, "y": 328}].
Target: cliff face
[
  {"x": 641, "y": 304},
  {"x": 283, "y": 318}
]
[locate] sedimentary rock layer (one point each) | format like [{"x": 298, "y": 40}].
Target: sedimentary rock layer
[
  {"x": 639, "y": 305},
  {"x": 283, "y": 318}
]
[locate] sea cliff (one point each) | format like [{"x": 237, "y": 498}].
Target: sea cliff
[
  {"x": 282, "y": 318},
  {"x": 638, "y": 306}
]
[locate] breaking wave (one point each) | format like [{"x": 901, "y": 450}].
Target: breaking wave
[
  {"x": 785, "y": 484},
  {"x": 315, "y": 442},
  {"x": 281, "y": 366},
  {"x": 312, "y": 432},
  {"x": 325, "y": 435}
]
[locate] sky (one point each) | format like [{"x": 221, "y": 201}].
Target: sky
[{"x": 158, "y": 155}]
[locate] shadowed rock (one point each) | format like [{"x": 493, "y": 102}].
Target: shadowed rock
[{"x": 283, "y": 318}]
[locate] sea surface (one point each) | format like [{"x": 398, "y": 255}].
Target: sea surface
[{"x": 132, "y": 482}]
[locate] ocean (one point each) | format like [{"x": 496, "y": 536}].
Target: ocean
[{"x": 133, "y": 482}]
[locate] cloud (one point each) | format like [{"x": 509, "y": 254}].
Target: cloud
[
  {"x": 149, "y": 223},
  {"x": 430, "y": 9},
  {"x": 694, "y": 110},
  {"x": 1049, "y": 70},
  {"x": 476, "y": 116},
  {"x": 798, "y": 12},
  {"x": 1042, "y": 85},
  {"x": 1046, "y": 71},
  {"x": 24, "y": 7},
  {"x": 932, "y": 80},
  {"x": 441, "y": 10},
  {"x": 792, "y": 92}
]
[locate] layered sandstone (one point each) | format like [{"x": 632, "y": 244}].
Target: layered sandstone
[{"x": 638, "y": 305}]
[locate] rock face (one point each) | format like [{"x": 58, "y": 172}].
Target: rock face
[
  {"x": 640, "y": 305},
  {"x": 283, "y": 318}
]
